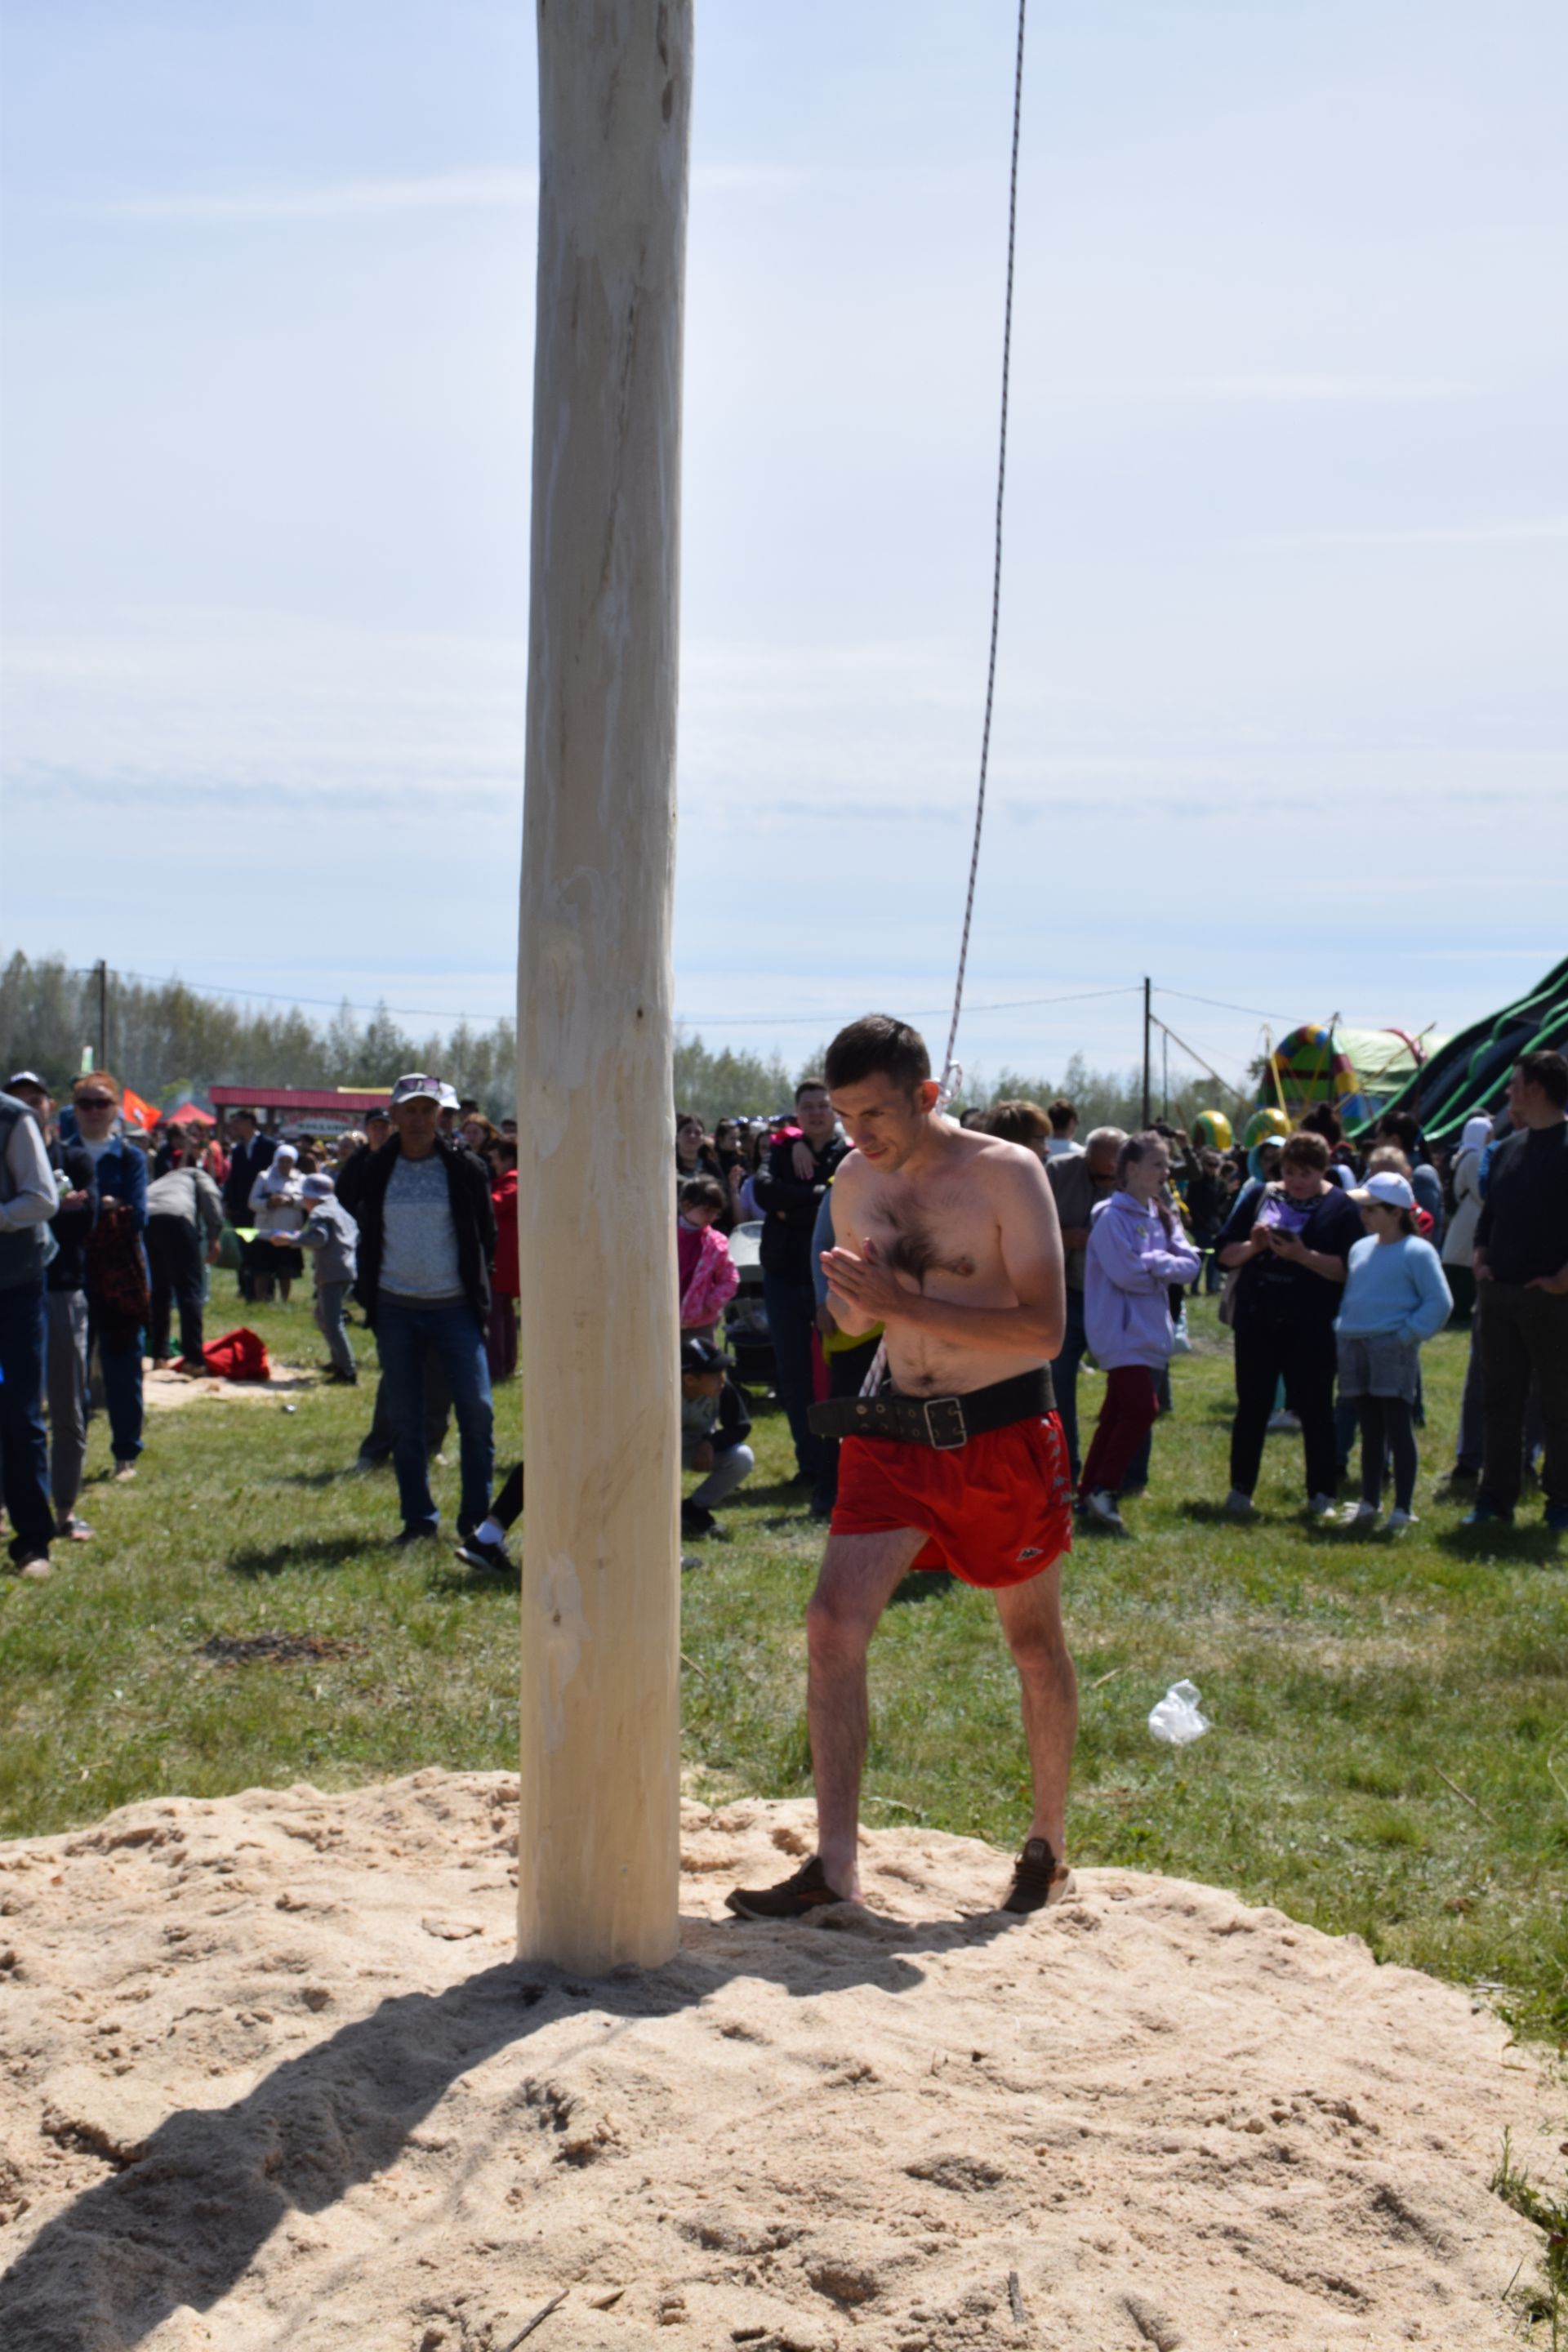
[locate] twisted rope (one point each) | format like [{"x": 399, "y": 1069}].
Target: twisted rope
[{"x": 952, "y": 1072}]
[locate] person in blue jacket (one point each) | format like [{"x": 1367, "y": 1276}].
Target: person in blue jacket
[
  {"x": 1396, "y": 1297},
  {"x": 120, "y": 1218}
]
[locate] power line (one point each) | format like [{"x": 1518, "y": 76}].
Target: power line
[
  {"x": 1220, "y": 1002},
  {"x": 275, "y": 996},
  {"x": 917, "y": 1013}
]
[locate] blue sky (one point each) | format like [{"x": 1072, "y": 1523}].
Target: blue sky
[{"x": 1280, "y": 704}]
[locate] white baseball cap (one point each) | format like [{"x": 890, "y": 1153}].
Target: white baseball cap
[
  {"x": 410, "y": 1088},
  {"x": 1386, "y": 1190}
]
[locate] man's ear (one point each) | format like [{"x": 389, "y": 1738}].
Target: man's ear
[{"x": 926, "y": 1094}]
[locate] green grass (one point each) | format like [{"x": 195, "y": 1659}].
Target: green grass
[{"x": 1390, "y": 1750}]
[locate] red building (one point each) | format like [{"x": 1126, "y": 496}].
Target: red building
[{"x": 319, "y": 1110}]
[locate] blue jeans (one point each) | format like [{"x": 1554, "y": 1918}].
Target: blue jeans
[
  {"x": 406, "y": 1335},
  {"x": 119, "y": 1350},
  {"x": 792, "y": 1318},
  {"x": 24, "y": 1450}
]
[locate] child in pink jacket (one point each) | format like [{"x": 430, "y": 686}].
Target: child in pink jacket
[{"x": 708, "y": 1279}]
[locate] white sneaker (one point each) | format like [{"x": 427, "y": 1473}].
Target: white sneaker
[
  {"x": 1238, "y": 1505},
  {"x": 1284, "y": 1424},
  {"x": 124, "y": 1472},
  {"x": 1399, "y": 1520},
  {"x": 1103, "y": 1510},
  {"x": 1359, "y": 1515},
  {"x": 1322, "y": 1506}
]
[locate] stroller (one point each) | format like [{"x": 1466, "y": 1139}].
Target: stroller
[{"x": 746, "y": 1333}]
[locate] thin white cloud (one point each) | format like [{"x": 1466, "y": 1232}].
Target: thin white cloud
[
  {"x": 1496, "y": 530},
  {"x": 503, "y": 188},
  {"x": 1272, "y": 390},
  {"x": 500, "y": 190}
]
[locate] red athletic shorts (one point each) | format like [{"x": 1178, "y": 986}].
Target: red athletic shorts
[{"x": 997, "y": 1509}]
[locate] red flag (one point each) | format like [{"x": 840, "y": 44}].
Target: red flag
[{"x": 140, "y": 1114}]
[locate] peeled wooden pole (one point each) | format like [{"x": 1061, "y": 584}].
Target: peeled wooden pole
[{"x": 598, "y": 1840}]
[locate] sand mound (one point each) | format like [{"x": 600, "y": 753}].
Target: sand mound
[{"x": 272, "y": 2079}]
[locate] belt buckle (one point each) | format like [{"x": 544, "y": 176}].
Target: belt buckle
[{"x": 952, "y": 1408}]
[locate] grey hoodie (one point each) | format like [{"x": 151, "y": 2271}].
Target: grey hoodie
[
  {"x": 188, "y": 1192},
  {"x": 333, "y": 1235}
]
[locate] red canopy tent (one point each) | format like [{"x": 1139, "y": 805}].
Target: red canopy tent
[{"x": 187, "y": 1114}]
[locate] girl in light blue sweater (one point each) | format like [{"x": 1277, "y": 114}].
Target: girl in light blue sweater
[{"x": 1396, "y": 1296}]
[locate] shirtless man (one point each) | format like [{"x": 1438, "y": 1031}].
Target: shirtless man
[{"x": 949, "y": 1239}]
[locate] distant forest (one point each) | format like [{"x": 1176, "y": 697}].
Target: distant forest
[{"x": 168, "y": 1042}]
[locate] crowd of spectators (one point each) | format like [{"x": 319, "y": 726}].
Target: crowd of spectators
[
  {"x": 106, "y": 1233},
  {"x": 1334, "y": 1267}
]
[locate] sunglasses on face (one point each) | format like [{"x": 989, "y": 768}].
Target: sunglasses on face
[{"x": 95, "y": 1102}]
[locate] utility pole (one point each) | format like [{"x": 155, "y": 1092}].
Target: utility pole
[
  {"x": 1147, "y": 1023},
  {"x": 598, "y": 1854},
  {"x": 103, "y": 1013}
]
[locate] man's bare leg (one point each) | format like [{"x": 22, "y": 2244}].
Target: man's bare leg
[
  {"x": 859, "y": 1576},
  {"x": 1032, "y": 1621}
]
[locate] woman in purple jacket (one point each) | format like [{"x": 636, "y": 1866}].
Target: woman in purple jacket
[{"x": 1136, "y": 1251}]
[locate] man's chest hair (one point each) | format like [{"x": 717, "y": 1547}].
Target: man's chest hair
[{"x": 918, "y": 1229}]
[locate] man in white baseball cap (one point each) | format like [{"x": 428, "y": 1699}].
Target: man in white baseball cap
[{"x": 428, "y": 1233}]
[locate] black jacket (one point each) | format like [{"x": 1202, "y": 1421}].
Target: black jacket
[
  {"x": 473, "y": 1219},
  {"x": 72, "y": 1227},
  {"x": 245, "y": 1165},
  {"x": 789, "y": 1207},
  {"x": 350, "y": 1185}
]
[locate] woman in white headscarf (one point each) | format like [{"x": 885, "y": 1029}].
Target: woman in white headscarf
[
  {"x": 279, "y": 1206},
  {"x": 1460, "y": 1241}
]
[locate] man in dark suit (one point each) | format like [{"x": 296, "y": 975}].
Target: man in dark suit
[{"x": 250, "y": 1153}]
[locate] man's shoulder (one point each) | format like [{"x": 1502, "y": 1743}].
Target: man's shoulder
[{"x": 993, "y": 1160}]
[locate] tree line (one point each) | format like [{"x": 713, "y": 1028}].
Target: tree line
[{"x": 169, "y": 1041}]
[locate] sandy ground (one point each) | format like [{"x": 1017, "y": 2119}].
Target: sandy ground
[
  {"x": 163, "y": 1390},
  {"x": 272, "y": 2079}
]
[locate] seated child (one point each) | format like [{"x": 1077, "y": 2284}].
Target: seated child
[
  {"x": 714, "y": 1426},
  {"x": 708, "y": 1279}
]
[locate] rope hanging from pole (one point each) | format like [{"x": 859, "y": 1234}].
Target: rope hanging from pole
[
  {"x": 951, "y": 1071},
  {"x": 953, "y": 1074}
]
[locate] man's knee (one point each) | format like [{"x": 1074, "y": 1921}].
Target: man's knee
[{"x": 838, "y": 1625}]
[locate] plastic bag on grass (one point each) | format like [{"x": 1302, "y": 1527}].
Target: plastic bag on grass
[{"x": 1175, "y": 1722}]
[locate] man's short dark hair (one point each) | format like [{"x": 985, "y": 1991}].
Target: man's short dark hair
[
  {"x": 878, "y": 1046},
  {"x": 1062, "y": 1113},
  {"x": 1323, "y": 1119},
  {"x": 811, "y": 1087},
  {"x": 1549, "y": 1071},
  {"x": 703, "y": 1192}
]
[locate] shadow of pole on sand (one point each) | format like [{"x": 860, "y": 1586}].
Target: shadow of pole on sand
[{"x": 187, "y": 2212}]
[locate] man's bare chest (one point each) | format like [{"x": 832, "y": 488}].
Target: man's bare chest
[{"x": 943, "y": 1231}]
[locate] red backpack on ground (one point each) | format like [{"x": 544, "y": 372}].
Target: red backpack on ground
[{"x": 239, "y": 1356}]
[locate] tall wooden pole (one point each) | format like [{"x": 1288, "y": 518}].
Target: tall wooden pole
[
  {"x": 598, "y": 1839},
  {"x": 1147, "y": 1011}
]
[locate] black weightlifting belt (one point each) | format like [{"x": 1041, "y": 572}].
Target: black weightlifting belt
[{"x": 943, "y": 1422}]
